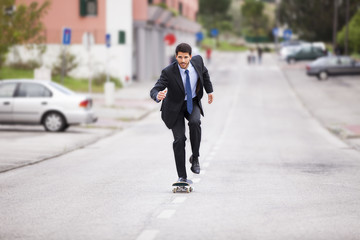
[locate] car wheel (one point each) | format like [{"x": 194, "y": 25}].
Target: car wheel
[
  {"x": 323, "y": 75},
  {"x": 65, "y": 127},
  {"x": 54, "y": 122}
]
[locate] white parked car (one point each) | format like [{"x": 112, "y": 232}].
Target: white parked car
[{"x": 27, "y": 101}]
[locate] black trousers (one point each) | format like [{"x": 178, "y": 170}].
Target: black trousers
[{"x": 180, "y": 138}]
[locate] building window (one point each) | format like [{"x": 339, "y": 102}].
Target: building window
[
  {"x": 88, "y": 8},
  {"x": 180, "y": 8},
  {"x": 122, "y": 36}
]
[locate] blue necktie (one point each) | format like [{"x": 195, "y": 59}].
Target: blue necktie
[{"x": 188, "y": 93}]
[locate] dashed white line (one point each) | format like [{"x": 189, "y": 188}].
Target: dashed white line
[
  {"x": 179, "y": 200},
  {"x": 166, "y": 214},
  {"x": 147, "y": 235}
]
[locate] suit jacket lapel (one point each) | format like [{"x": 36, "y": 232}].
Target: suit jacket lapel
[
  {"x": 196, "y": 68},
  {"x": 178, "y": 78}
]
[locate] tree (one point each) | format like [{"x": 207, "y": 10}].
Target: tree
[
  {"x": 354, "y": 34},
  {"x": 255, "y": 21},
  {"x": 213, "y": 13},
  {"x": 20, "y": 25},
  {"x": 313, "y": 20}
]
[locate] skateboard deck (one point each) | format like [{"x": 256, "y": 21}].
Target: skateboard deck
[{"x": 182, "y": 187}]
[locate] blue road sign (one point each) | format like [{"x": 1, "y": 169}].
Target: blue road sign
[
  {"x": 199, "y": 36},
  {"x": 66, "y": 40},
  {"x": 214, "y": 32},
  {"x": 275, "y": 31},
  {"x": 287, "y": 34},
  {"x": 108, "y": 40}
]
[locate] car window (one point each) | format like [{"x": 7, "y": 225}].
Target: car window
[
  {"x": 345, "y": 61},
  {"x": 306, "y": 49},
  {"x": 62, "y": 89},
  {"x": 333, "y": 61},
  {"x": 33, "y": 90},
  {"x": 7, "y": 90}
]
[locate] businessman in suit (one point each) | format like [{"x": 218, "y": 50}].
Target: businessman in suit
[{"x": 180, "y": 88}]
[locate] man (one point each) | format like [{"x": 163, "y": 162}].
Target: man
[{"x": 180, "y": 88}]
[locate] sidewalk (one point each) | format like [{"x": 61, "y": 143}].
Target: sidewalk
[
  {"x": 333, "y": 102},
  {"x": 132, "y": 104}
]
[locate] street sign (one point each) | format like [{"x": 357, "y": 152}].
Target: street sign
[
  {"x": 170, "y": 39},
  {"x": 108, "y": 40},
  {"x": 66, "y": 38},
  {"x": 214, "y": 32},
  {"x": 275, "y": 31},
  {"x": 199, "y": 36},
  {"x": 287, "y": 34}
]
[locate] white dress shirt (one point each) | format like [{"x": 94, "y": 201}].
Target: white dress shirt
[{"x": 193, "y": 78}]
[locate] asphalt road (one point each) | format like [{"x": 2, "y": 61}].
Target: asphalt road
[{"x": 270, "y": 170}]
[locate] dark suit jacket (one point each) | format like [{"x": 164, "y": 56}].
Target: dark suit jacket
[{"x": 170, "y": 78}]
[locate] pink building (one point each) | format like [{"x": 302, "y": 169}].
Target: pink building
[
  {"x": 89, "y": 21},
  {"x": 137, "y": 29}
]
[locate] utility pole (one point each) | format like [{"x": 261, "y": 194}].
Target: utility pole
[
  {"x": 335, "y": 24},
  {"x": 347, "y": 28}
]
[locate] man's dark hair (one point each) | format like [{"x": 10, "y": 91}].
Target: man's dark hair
[{"x": 183, "y": 47}]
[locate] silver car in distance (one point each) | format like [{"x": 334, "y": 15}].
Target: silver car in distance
[{"x": 28, "y": 101}]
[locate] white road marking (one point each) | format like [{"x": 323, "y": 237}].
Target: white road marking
[
  {"x": 202, "y": 172},
  {"x": 166, "y": 214},
  {"x": 147, "y": 235},
  {"x": 179, "y": 200},
  {"x": 205, "y": 165}
]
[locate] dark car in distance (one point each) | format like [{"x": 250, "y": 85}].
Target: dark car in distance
[
  {"x": 305, "y": 53},
  {"x": 332, "y": 65}
]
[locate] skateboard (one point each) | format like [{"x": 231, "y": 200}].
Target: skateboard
[{"x": 182, "y": 187}]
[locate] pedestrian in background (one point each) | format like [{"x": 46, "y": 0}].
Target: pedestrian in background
[
  {"x": 251, "y": 56},
  {"x": 180, "y": 88},
  {"x": 259, "y": 52},
  {"x": 208, "y": 54}
]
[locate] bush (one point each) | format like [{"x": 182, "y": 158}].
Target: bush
[
  {"x": 70, "y": 64},
  {"x": 354, "y": 34},
  {"x": 29, "y": 65},
  {"x": 100, "y": 79}
]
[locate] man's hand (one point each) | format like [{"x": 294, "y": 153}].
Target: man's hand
[
  {"x": 161, "y": 95},
  {"x": 210, "y": 98}
]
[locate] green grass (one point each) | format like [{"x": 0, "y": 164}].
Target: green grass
[
  {"x": 6, "y": 72},
  {"x": 75, "y": 84},
  {"x": 356, "y": 56},
  {"x": 223, "y": 45}
]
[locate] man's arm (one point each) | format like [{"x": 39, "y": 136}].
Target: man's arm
[
  {"x": 208, "y": 85},
  {"x": 157, "y": 93}
]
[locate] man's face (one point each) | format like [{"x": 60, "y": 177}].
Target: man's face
[{"x": 183, "y": 59}]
